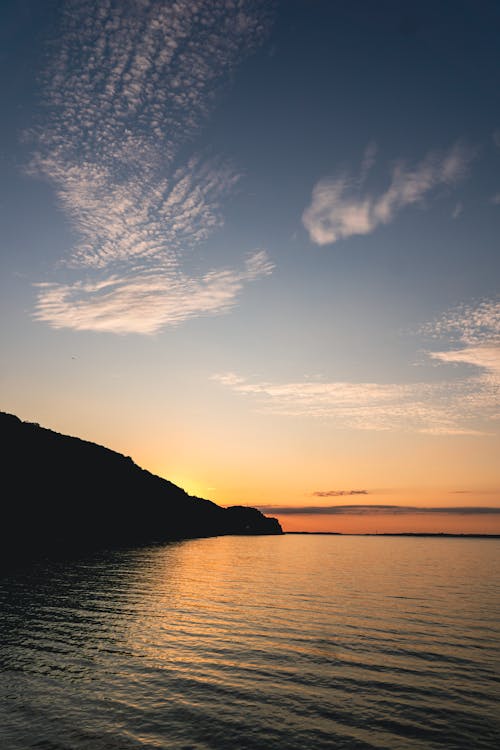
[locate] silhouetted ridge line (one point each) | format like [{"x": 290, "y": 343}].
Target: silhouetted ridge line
[{"x": 63, "y": 494}]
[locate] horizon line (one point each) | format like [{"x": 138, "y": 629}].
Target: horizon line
[{"x": 364, "y": 509}]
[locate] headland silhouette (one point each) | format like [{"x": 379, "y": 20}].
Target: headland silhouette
[{"x": 64, "y": 495}]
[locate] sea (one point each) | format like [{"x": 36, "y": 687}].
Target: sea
[{"x": 293, "y": 642}]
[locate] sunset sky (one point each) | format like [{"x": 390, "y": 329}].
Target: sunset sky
[{"x": 255, "y": 246}]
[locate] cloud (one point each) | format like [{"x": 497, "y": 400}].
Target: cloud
[
  {"x": 435, "y": 408},
  {"x": 339, "y": 493},
  {"x": 369, "y": 158},
  {"x": 341, "y": 206},
  {"x": 146, "y": 301},
  {"x": 131, "y": 86},
  {"x": 466, "y": 404},
  {"x": 483, "y": 357},
  {"x": 473, "y": 337},
  {"x": 475, "y": 492},
  {"x": 364, "y": 510},
  {"x": 458, "y": 210},
  {"x": 473, "y": 332},
  {"x": 476, "y": 324},
  {"x": 496, "y": 199}
]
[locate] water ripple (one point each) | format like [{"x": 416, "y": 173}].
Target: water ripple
[{"x": 340, "y": 643}]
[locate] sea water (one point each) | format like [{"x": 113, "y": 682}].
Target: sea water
[{"x": 292, "y": 642}]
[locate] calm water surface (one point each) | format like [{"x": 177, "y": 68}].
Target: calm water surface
[{"x": 282, "y": 643}]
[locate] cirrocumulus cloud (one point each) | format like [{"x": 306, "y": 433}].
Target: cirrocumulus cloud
[{"x": 130, "y": 88}]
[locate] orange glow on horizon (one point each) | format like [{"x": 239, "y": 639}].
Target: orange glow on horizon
[{"x": 393, "y": 523}]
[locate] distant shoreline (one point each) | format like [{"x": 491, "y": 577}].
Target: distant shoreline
[{"x": 438, "y": 534}]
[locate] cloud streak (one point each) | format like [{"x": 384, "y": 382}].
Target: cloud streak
[
  {"x": 465, "y": 405},
  {"x": 339, "y": 493},
  {"x": 341, "y": 206},
  {"x": 132, "y": 84},
  {"x": 435, "y": 408},
  {"x": 483, "y": 357},
  {"x": 146, "y": 301},
  {"x": 365, "y": 510},
  {"x": 474, "y": 335},
  {"x": 476, "y": 324}
]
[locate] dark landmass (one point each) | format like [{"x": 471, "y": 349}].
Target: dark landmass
[
  {"x": 401, "y": 533},
  {"x": 64, "y": 495}
]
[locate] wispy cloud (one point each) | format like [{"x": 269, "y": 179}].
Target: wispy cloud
[
  {"x": 475, "y": 324},
  {"x": 473, "y": 338},
  {"x": 369, "y": 158},
  {"x": 473, "y": 332},
  {"x": 341, "y": 206},
  {"x": 467, "y": 404},
  {"x": 436, "y": 408},
  {"x": 147, "y": 300},
  {"x": 475, "y": 492},
  {"x": 338, "y": 493},
  {"x": 132, "y": 84},
  {"x": 483, "y": 357},
  {"x": 364, "y": 510}
]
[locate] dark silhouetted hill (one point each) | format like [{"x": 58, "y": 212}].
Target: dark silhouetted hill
[{"x": 63, "y": 494}]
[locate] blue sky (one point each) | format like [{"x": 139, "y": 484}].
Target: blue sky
[{"x": 277, "y": 218}]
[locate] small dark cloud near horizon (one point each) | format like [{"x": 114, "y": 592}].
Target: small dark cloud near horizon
[
  {"x": 474, "y": 492},
  {"x": 338, "y": 493},
  {"x": 365, "y": 510}
]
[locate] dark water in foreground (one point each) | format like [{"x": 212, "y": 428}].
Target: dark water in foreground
[{"x": 279, "y": 643}]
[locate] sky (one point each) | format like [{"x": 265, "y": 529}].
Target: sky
[{"x": 254, "y": 246}]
